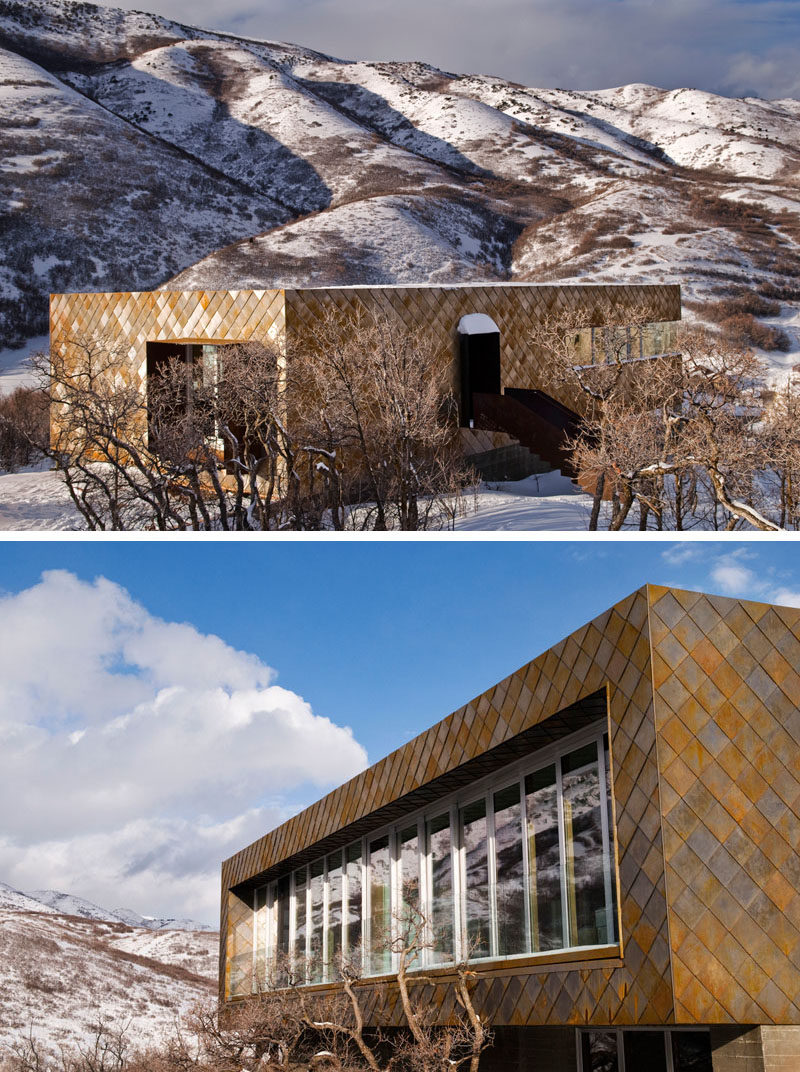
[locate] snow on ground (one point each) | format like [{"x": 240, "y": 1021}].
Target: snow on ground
[
  {"x": 543, "y": 502},
  {"x": 15, "y": 370},
  {"x": 36, "y": 500},
  {"x": 18, "y": 901},
  {"x": 60, "y": 975},
  {"x": 547, "y": 502}
]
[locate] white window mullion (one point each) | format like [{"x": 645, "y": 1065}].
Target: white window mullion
[
  {"x": 364, "y": 906},
  {"x": 427, "y": 901},
  {"x": 345, "y": 903},
  {"x": 308, "y": 917},
  {"x": 601, "y": 768},
  {"x": 292, "y": 916},
  {"x": 457, "y": 864}
]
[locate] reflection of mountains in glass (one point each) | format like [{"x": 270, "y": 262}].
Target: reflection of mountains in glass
[{"x": 582, "y": 796}]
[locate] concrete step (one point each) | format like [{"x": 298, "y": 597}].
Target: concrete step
[{"x": 511, "y": 462}]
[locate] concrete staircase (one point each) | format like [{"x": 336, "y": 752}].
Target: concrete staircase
[{"x": 496, "y": 456}]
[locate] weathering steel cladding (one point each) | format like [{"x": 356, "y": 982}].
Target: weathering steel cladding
[
  {"x": 286, "y": 316},
  {"x": 704, "y": 732}
]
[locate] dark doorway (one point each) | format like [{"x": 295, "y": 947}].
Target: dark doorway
[
  {"x": 480, "y": 362},
  {"x": 194, "y": 372}
]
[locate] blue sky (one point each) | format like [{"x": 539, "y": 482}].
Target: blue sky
[
  {"x": 389, "y": 637},
  {"x": 734, "y": 47},
  {"x": 162, "y": 704}
]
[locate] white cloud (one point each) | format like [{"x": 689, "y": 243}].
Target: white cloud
[
  {"x": 678, "y": 553},
  {"x": 137, "y": 753},
  {"x": 786, "y": 597},
  {"x": 733, "y": 578}
]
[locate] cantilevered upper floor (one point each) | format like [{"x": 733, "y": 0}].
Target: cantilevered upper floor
[{"x": 610, "y": 834}]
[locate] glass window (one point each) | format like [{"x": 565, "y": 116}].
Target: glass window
[
  {"x": 646, "y": 1050},
  {"x": 317, "y": 885},
  {"x": 475, "y": 879},
  {"x": 441, "y": 897},
  {"x": 510, "y": 872},
  {"x": 300, "y": 908},
  {"x": 544, "y": 860},
  {"x": 410, "y": 907},
  {"x": 353, "y": 925},
  {"x": 409, "y": 869},
  {"x": 610, "y": 861},
  {"x": 535, "y": 873},
  {"x": 599, "y": 1051},
  {"x": 261, "y": 927},
  {"x": 691, "y": 1051},
  {"x": 380, "y": 919},
  {"x": 282, "y": 916},
  {"x": 333, "y": 948},
  {"x": 583, "y": 844}
]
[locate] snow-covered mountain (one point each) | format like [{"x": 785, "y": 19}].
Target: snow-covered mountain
[
  {"x": 52, "y": 901},
  {"x": 138, "y": 152},
  {"x": 61, "y": 975},
  {"x": 17, "y": 901}
]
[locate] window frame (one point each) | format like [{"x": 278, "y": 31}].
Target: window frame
[
  {"x": 453, "y": 804},
  {"x": 666, "y": 1030}
]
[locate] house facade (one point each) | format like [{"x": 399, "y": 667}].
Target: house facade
[
  {"x": 610, "y": 835},
  {"x": 484, "y": 335}
]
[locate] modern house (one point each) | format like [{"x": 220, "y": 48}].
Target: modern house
[
  {"x": 610, "y": 833},
  {"x": 486, "y": 336}
]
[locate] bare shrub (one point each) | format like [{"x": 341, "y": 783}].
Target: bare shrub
[
  {"x": 744, "y": 330},
  {"x": 24, "y": 427},
  {"x": 744, "y": 302},
  {"x": 780, "y": 291}
]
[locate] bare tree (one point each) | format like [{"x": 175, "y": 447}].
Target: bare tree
[
  {"x": 423, "y": 1044},
  {"x": 379, "y": 397},
  {"x": 292, "y": 1027},
  {"x": 594, "y": 382},
  {"x": 781, "y": 431},
  {"x": 683, "y": 438},
  {"x": 355, "y": 431}
]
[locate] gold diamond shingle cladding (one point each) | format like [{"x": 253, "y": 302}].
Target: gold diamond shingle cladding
[
  {"x": 702, "y": 703},
  {"x": 287, "y": 316},
  {"x": 726, "y": 703}
]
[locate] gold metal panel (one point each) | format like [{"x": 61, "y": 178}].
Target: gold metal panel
[{"x": 728, "y": 751}]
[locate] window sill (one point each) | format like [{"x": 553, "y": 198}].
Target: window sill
[{"x": 575, "y": 959}]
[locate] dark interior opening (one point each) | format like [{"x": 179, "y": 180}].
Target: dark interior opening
[
  {"x": 159, "y": 356},
  {"x": 480, "y": 369}
]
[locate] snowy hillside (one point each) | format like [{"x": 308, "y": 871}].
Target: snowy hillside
[
  {"x": 61, "y": 975},
  {"x": 17, "y": 901},
  {"x": 50, "y": 901},
  {"x": 77, "y": 906},
  {"x": 138, "y": 152}
]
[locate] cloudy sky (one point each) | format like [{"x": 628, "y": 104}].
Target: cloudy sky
[
  {"x": 162, "y": 705},
  {"x": 734, "y": 47}
]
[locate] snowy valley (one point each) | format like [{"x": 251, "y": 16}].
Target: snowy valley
[{"x": 69, "y": 965}]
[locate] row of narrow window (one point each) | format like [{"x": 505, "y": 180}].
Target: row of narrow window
[{"x": 524, "y": 866}]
